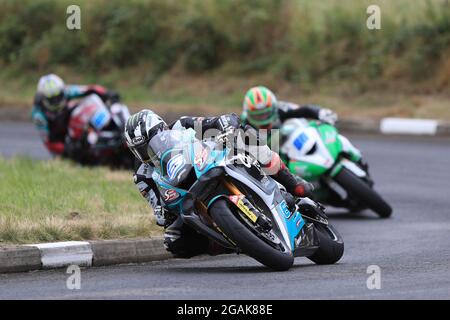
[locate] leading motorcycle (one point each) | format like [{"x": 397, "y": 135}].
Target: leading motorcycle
[{"x": 224, "y": 194}]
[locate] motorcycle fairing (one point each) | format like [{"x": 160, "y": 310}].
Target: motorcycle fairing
[
  {"x": 266, "y": 188},
  {"x": 301, "y": 160},
  {"x": 289, "y": 227},
  {"x": 314, "y": 148},
  {"x": 91, "y": 110}
]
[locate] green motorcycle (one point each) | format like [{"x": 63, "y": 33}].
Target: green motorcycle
[{"x": 319, "y": 154}]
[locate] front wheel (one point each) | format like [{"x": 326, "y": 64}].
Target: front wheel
[
  {"x": 331, "y": 245},
  {"x": 360, "y": 190},
  {"x": 248, "y": 241}
]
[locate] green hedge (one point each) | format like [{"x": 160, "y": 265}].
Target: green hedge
[{"x": 297, "y": 40}]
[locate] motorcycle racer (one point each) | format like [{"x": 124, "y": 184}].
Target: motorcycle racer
[
  {"x": 51, "y": 110},
  {"x": 179, "y": 238},
  {"x": 262, "y": 110}
]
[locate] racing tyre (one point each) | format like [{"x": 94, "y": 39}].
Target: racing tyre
[
  {"x": 362, "y": 192},
  {"x": 331, "y": 245},
  {"x": 246, "y": 240}
]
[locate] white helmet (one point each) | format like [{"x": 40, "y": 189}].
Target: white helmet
[
  {"x": 139, "y": 130},
  {"x": 51, "y": 87}
]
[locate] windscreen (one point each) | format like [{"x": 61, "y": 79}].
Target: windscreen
[{"x": 163, "y": 141}]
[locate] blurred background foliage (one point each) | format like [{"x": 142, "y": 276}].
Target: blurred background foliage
[{"x": 281, "y": 41}]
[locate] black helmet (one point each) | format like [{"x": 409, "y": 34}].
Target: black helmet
[{"x": 139, "y": 130}]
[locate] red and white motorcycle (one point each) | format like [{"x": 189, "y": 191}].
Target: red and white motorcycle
[{"x": 95, "y": 133}]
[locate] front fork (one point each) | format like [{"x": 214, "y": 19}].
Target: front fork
[
  {"x": 313, "y": 213},
  {"x": 351, "y": 157},
  {"x": 348, "y": 148},
  {"x": 307, "y": 242}
]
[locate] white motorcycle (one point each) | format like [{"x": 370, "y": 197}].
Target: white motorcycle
[{"x": 319, "y": 154}]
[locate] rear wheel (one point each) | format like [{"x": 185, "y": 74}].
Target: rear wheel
[
  {"x": 331, "y": 245},
  {"x": 362, "y": 192},
  {"x": 248, "y": 241}
]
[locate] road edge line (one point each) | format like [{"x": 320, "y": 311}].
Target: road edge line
[
  {"x": 62, "y": 254},
  {"x": 396, "y": 126}
]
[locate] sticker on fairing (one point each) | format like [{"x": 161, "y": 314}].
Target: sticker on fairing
[
  {"x": 330, "y": 137},
  {"x": 201, "y": 158},
  {"x": 237, "y": 200},
  {"x": 300, "y": 141},
  {"x": 100, "y": 119},
  {"x": 246, "y": 210},
  {"x": 174, "y": 165},
  {"x": 170, "y": 195},
  {"x": 285, "y": 210}
]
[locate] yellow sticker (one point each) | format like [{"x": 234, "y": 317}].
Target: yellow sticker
[{"x": 246, "y": 211}]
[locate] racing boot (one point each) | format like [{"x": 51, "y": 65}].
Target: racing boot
[
  {"x": 183, "y": 241},
  {"x": 215, "y": 249},
  {"x": 294, "y": 185}
]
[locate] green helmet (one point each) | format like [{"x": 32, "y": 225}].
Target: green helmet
[{"x": 260, "y": 107}]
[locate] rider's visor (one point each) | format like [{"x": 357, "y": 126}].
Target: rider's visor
[
  {"x": 54, "y": 103},
  {"x": 261, "y": 117},
  {"x": 140, "y": 151}
]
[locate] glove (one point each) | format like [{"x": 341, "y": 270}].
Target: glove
[
  {"x": 304, "y": 188},
  {"x": 159, "y": 213},
  {"x": 327, "y": 116},
  {"x": 309, "y": 188},
  {"x": 227, "y": 121},
  {"x": 143, "y": 183}
]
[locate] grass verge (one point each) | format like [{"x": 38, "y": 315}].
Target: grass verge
[
  {"x": 197, "y": 56},
  {"x": 44, "y": 201}
]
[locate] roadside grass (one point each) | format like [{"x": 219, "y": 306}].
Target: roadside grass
[
  {"x": 192, "y": 56},
  {"x": 44, "y": 201}
]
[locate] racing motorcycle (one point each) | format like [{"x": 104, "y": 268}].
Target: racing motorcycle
[
  {"x": 319, "y": 154},
  {"x": 222, "y": 193},
  {"x": 95, "y": 133}
]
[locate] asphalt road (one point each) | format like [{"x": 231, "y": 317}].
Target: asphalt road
[
  {"x": 412, "y": 249},
  {"x": 18, "y": 138}
]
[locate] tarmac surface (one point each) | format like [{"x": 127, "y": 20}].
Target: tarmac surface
[{"x": 411, "y": 249}]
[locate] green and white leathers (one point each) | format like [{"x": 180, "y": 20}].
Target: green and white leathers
[{"x": 319, "y": 154}]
